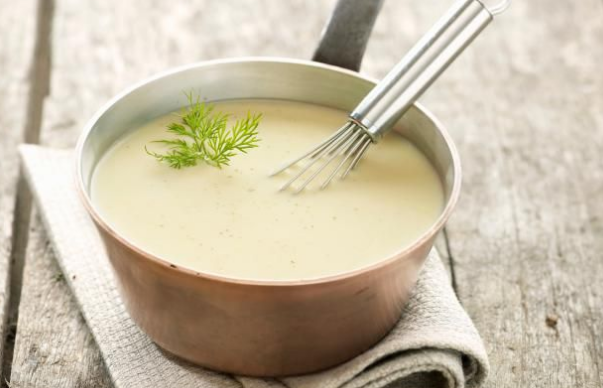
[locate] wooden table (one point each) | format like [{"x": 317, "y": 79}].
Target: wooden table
[{"x": 524, "y": 105}]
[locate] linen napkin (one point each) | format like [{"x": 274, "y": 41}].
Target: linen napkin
[{"x": 433, "y": 345}]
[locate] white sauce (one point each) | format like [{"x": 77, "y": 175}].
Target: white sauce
[{"x": 233, "y": 222}]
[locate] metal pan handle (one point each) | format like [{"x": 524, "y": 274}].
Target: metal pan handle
[{"x": 344, "y": 39}]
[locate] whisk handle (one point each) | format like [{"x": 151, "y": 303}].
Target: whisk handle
[{"x": 405, "y": 83}]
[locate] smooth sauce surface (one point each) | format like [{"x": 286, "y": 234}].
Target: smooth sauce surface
[{"x": 233, "y": 222}]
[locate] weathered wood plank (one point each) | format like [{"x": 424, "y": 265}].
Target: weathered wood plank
[
  {"x": 524, "y": 105},
  {"x": 45, "y": 353},
  {"x": 17, "y": 27},
  {"x": 54, "y": 347},
  {"x": 120, "y": 43}
]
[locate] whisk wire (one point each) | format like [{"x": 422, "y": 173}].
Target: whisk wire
[
  {"x": 367, "y": 142},
  {"x": 349, "y": 139},
  {"x": 321, "y": 151},
  {"x": 314, "y": 150},
  {"x": 350, "y": 151},
  {"x": 348, "y": 143}
]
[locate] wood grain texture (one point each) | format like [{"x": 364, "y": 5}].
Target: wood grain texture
[
  {"x": 103, "y": 47},
  {"x": 54, "y": 347},
  {"x": 524, "y": 105},
  {"x": 17, "y": 26}
]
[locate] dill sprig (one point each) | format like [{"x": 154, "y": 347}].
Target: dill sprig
[{"x": 202, "y": 134}]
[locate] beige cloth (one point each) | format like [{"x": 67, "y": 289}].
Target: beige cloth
[{"x": 434, "y": 345}]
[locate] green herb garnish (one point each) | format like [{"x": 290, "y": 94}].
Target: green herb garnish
[{"x": 202, "y": 134}]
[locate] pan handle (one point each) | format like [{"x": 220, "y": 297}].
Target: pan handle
[{"x": 347, "y": 32}]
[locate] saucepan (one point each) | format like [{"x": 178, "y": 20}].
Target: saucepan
[{"x": 266, "y": 328}]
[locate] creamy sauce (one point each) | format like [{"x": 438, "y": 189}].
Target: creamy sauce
[{"x": 233, "y": 222}]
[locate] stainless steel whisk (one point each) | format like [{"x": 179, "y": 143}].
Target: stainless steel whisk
[{"x": 394, "y": 95}]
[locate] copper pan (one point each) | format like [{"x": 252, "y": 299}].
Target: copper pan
[{"x": 260, "y": 328}]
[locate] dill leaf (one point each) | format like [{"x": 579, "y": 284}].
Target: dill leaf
[{"x": 203, "y": 135}]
